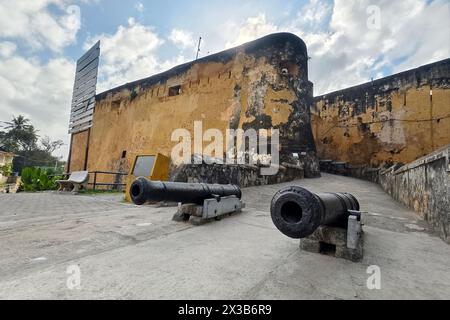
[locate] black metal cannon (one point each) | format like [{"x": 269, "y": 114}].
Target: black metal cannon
[
  {"x": 143, "y": 190},
  {"x": 297, "y": 212}
]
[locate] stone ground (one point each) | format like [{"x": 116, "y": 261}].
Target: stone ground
[{"x": 130, "y": 252}]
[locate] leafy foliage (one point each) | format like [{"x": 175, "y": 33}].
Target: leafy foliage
[
  {"x": 21, "y": 138},
  {"x": 19, "y": 135},
  {"x": 37, "y": 179},
  {"x": 6, "y": 170}
]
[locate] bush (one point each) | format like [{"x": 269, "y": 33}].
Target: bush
[
  {"x": 37, "y": 179},
  {"x": 6, "y": 170}
]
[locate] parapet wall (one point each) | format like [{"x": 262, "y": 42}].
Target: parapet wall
[
  {"x": 396, "y": 119},
  {"x": 422, "y": 185},
  {"x": 241, "y": 175}
]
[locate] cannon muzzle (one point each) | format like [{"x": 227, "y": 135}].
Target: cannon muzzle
[
  {"x": 297, "y": 212},
  {"x": 143, "y": 190}
]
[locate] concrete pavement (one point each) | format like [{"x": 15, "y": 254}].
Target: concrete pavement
[{"x": 124, "y": 251}]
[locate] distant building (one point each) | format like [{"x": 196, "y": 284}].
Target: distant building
[{"x": 6, "y": 158}]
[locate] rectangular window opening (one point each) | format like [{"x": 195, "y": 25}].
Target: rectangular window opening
[{"x": 174, "y": 91}]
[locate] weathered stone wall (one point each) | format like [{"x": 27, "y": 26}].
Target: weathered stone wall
[
  {"x": 260, "y": 85},
  {"x": 424, "y": 186},
  {"x": 396, "y": 119},
  {"x": 78, "y": 155},
  {"x": 242, "y": 175}
]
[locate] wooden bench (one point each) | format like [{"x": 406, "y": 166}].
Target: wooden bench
[{"x": 77, "y": 180}]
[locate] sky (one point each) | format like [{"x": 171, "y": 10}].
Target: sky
[{"x": 349, "y": 42}]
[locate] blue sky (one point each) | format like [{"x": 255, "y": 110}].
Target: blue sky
[
  {"x": 349, "y": 41},
  {"x": 197, "y": 16}
]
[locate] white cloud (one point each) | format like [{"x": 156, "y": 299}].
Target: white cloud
[
  {"x": 40, "y": 91},
  {"x": 32, "y": 22},
  {"x": 140, "y": 7},
  {"x": 7, "y": 49},
  {"x": 429, "y": 31},
  {"x": 253, "y": 28},
  {"x": 130, "y": 54},
  {"x": 314, "y": 14},
  {"x": 349, "y": 53},
  {"x": 182, "y": 39},
  {"x": 345, "y": 51}
]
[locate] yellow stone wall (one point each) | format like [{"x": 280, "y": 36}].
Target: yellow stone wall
[
  {"x": 250, "y": 86},
  {"x": 393, "y": 120},
  {"x": 208, "y": 94},
  {"x": 78, "y": 154}
]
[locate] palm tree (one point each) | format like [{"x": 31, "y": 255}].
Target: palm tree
[
  {"x": 19, "y": 134},
  {"x": 20, "y": 123}
]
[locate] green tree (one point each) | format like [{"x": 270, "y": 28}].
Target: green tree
[
  {"x": 19, "y": 123},
  {"x": 20, "y": 137}
]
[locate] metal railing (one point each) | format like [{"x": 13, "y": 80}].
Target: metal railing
[
  {"x": 114, "y": 185},
  {"x": 94, "y": 183}
]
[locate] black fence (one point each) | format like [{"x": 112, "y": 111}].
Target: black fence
[
  {"x": 97, "y": 180},
  {"x": 118, "y": 183}
]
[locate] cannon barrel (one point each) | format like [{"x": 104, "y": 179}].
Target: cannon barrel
[
  {"x": 143, "y": 190},
  {"x": 297, "y": 212}
]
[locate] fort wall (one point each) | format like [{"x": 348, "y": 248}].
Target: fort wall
[
  {"x": 260, "y": 85},
  {"x": 396, "y": 119}
]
